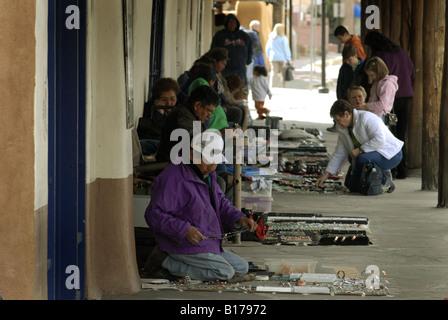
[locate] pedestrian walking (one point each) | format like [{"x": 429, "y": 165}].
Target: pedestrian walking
[{"x": 279, "y": 55}]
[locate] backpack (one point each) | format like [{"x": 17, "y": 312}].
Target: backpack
[{"x": 372, "y": 180}]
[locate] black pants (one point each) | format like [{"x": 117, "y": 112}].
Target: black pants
[{"x": 402, "y": 108}]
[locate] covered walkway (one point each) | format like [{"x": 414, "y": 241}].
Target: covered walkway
[{"x": 407, "y": 231}]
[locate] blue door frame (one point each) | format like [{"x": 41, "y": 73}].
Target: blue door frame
[
  {"x": 66, "y": 151},
  {"x": 157, "y": 33}
]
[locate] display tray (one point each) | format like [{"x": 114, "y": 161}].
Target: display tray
[
  {"x": 315, "y": 218},
  {"x": 315, "y": 229}
]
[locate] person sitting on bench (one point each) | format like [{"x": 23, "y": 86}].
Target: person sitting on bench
[{"x": 162, "y": 102}]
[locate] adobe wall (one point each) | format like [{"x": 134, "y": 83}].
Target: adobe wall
[
  {"x": 111, "y": 265},
  {"x": 21, "y": 223}
]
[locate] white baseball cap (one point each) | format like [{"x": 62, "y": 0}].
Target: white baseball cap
[{"x": 210, "y": 145}]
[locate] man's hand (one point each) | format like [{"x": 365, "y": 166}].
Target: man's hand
[
  {"x": 193, "y": 235},
  {"x": 247, "y": 223}
]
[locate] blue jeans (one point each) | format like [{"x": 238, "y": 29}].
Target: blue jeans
[
  {"x": 206, "y": 266},
  {"x": 377, "y": 159}
]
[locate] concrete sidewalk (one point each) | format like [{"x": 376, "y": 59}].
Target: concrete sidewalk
[{"x": 407, "y": 231}]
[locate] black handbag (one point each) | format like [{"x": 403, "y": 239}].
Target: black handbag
[
  {"x": 391, "y": 118},
  {"x": 289, "y": 73}
]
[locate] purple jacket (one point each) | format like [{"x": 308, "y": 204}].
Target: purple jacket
[
  {"x": 400, "y": 65},
  {"x": 179, "y": 200}
]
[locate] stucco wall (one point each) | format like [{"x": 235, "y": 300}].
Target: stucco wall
[
  {"x": 41, "y": 150},
  {"x": 256, "y": 10},
  {"x": 110, "y": 261},
  {"x": 142, "y": 42},
  {"x": 186, "y": 39},
  {"x": 17, "y": 158},
  {"x": 110, "y": 255}
]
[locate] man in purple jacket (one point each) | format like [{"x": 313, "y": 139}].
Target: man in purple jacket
[{"x": 186, "y": 214}]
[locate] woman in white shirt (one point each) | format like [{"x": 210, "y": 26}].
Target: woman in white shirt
[{"x": 363, "y": 137}]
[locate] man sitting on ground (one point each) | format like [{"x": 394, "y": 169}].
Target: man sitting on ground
[{"x": 186, "y": 214}]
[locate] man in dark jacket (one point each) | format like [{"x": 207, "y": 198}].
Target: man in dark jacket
[
  {"x": 350, "y": 72},
  {"x": 198, "y": 107},
  {"x": 238, "y": 44}
]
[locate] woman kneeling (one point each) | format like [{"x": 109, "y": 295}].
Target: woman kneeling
[{"x": 363, "y": 137}]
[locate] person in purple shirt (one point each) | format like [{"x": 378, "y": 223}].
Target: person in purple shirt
[
  {"x": 187, "y": 212},
  {"x": 399, "y": 65}
]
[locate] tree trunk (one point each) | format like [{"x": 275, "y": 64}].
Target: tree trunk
[
  {"x": 406, "y": 22},
  {"x": 395, "y": 21},
  {"x": 443, "y": 135},
  {"x": 385, "y": 17},
  {"x": 433, "y": 54},
  {"x": 414, "y": 146}
]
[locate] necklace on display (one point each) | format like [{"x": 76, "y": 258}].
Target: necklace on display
[{"x": 228, "y": 234}]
